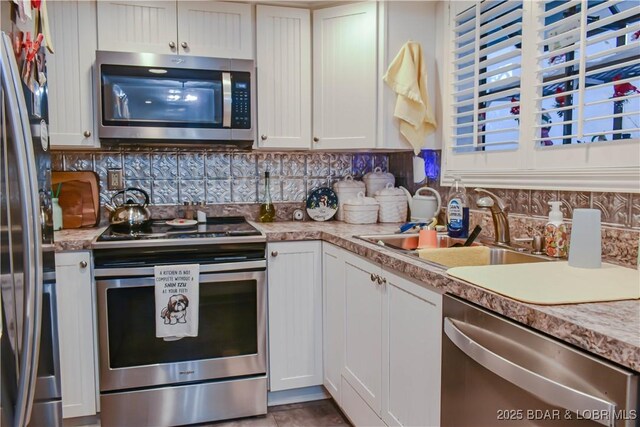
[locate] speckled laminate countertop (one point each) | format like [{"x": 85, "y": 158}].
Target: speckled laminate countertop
[{"x": 610, "y": 330}]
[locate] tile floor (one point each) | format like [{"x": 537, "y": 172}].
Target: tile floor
[{"x": 320, "y": 413}]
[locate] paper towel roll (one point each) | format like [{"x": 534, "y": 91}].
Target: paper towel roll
[
  {"x": 585, "y": 247},
  {"x": 419, "y": 175}
]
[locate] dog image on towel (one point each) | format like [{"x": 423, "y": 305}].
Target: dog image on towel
[{"x": 176, "y": 310}]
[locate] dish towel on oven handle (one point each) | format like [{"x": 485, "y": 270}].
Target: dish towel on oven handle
[{"x": 177, "y": 295}]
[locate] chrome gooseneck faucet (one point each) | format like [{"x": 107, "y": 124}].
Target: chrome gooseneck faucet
[{"x": 498, "y": 212}]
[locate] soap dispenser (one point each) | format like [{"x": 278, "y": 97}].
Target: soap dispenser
[{"x": 555, "y": 233}]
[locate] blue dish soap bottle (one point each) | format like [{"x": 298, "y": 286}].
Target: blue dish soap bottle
[{"x": 458, "y": 210}]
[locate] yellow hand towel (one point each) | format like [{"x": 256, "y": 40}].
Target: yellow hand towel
[{"x": 407, "y": 76}]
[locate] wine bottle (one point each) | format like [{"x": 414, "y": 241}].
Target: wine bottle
[{"x": 267, "y": 210}]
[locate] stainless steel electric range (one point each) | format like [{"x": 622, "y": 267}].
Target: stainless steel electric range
[{"x": 221, "y": 373}]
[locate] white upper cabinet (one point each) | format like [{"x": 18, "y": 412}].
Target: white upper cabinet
[
  {"x": 69, "y": 74},
  {"x": 283, "y": 52},
  {"x": 137, "y": 26},
  {"x": 218, "y": 29},
  {"x": 345, "y": 76},
  {"x": 399, "y": 22}
]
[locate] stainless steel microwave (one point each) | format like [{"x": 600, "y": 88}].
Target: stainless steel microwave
[{"x": 157, "y": 98}]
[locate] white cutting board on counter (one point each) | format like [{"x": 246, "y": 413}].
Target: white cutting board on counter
[{"x": 551, "y": 283}]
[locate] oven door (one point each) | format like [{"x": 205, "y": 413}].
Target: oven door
[{"x": 231, "y": 339}]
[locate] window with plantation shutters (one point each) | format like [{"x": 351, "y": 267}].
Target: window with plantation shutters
[
  {"x": 486, "y": 68},
  {"x": 588, "y": 72}
]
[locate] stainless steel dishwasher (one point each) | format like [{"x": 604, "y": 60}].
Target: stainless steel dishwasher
[{"x": 496, "y": 372}]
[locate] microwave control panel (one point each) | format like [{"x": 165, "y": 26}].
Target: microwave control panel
[{"x": 241, "y": 101}]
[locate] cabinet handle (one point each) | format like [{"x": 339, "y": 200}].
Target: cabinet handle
[
  {"x": 87, "y": 133},
  {"x": 184, "y": 45},
  {"x": 263, "y": 137},
  {"x": 316, "y": 139},
  {"x": 83, "y": 264},
  {"x": 274, "y": 253},
  {"x": 382, "y": 280},
  {"x": 172, "y": 45},
  {"x": 373, "y": 277}
]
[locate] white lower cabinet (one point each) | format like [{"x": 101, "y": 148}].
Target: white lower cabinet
[
  {"x": 76, "y": 333},
  {"x": 382, "y": 338},
  {"x": 362, "y": 366},
  {"x": 333, "y": 280},
  {"x": 412, "y": 320},
  {"x": 295, "y": 314}
]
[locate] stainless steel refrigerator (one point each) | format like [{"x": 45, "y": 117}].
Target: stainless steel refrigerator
[{"x": 30, "y": 392}]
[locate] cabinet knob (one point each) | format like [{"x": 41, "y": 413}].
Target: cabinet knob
[
  {"x": 381, "y": 280},
  {"x": 87, "y": 133},
  {"x": 172, "y": 45},
  {"x": 274, "y": 253},
  {"x": 373, "y": 277},
  {"x": 83, "y": 264},
  {"x": 184, "y": 45},
  {"x": 263, "y": 137},
  {"x": 316, "y": 139}
]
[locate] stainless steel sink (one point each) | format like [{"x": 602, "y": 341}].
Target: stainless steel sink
[
  {"x": 408, "y": 244},
  {"x": 408, "y": 241}
]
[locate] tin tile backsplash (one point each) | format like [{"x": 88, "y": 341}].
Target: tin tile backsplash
[{"x": 175, "y": 176}]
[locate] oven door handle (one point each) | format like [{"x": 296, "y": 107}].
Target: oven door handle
[
  {"x": 227, "y": 100},
  {"x": 204, "y": 268},
  {"x": 545, "y": 389}
]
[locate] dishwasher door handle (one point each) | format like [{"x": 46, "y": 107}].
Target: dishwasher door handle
[{"x": 545, "y": 389}]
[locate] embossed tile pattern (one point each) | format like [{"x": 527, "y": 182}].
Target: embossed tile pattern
[
  {"x": 178, "y": 175},
  {"x": 614, "y": 207},
  {"x": 223, "y": 177}
]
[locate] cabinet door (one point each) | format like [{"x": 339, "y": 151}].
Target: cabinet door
[
  {"x": 345, "y": 76},
  {"x": 76, "y": 333},
  {"x": 295, "y": 315},
  {"x": 284, "y": 77},
  {"x": 411, "y": 356},
  {"x": 333, "y": 286},
  {"x": 137, "y": 26},
  {"x": 215, "y": 28},
  {"x": 363, "y": 330},
  {"x": 69, "y": 69}
]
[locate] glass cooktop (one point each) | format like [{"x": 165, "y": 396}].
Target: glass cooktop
[{"x": 230, "y": 226}]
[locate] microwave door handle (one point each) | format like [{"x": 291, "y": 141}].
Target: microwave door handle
[
  {"x": 545, "y": 389},
  {"x": 227, "y": 100}
]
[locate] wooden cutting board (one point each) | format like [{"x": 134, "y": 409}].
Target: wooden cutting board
[
  {"x": 552, "y": 283},
  {"x": 79, "y": 198}
]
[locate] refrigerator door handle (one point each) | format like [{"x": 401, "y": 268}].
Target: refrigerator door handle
[
  {"x": 32, "y": 232},
  {"x": 545, "y": 389}
]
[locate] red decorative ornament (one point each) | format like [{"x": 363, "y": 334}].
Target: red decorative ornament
[
  {"x": 623, "y": 89},
  {"x": 515, "y": 110},
  {"x": 636, "y": 35},
  {"x": 560, "y": 100}
]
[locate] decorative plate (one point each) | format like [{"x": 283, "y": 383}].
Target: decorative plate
[
  {"x": 322, "y": 204},
  {"x": 182, "y": 223}
]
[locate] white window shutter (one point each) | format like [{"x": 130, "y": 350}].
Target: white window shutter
[
  {"x": 588, "y": 72},
  {"x": 487, "y": 40}
]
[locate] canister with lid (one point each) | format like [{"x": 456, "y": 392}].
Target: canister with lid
[
  {"x": 377, "y": 180},
  {"x": 346, "y": 189},
  {"x": 393, "y": 204}
]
